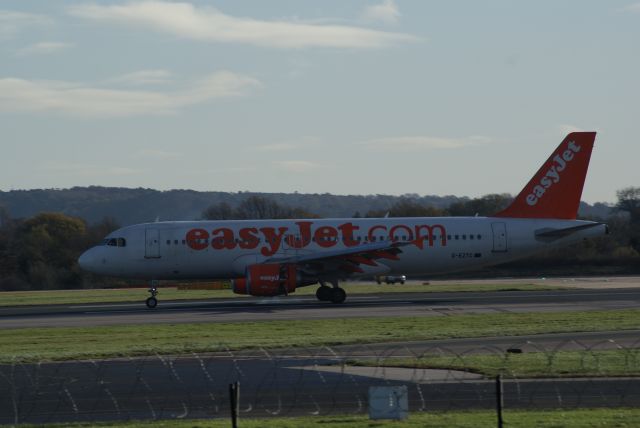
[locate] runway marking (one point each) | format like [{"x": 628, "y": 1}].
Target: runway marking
[
  {"x": 226, "y": 302},
  {"x": 530, "y": 295}
]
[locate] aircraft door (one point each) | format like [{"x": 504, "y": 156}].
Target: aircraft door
[
  {"x": 499, "y": 237},
  {"x": 152, "y": 243}
]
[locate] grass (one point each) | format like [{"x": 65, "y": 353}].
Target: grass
[
  {"x": 68, "y": 297},
  {"x": 63, "y": 343},
  {"x": 582, "y": 363},
  {"x": 574, "y": 418}
]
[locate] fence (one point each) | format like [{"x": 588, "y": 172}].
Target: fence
[{"x": 321, "y": 381}]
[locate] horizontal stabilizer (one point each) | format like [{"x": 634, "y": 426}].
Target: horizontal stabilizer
[{"x": 552, "y": 234}]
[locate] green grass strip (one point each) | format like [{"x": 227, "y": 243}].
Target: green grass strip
[
  {"x": 582, "y": 363},
  {"x": 68, "y": 297},
  {"x": 579, "y": 418},
  {"x": 62, "y": 343}
]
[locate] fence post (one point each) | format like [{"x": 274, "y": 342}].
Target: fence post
[
  {"x": 499, "y": 399},
  {"x": 234, "y": 399}
]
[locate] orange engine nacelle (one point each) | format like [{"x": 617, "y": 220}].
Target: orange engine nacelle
[{"x": 267, "y": 280}]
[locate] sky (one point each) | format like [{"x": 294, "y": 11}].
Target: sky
[{"x": 394, "y": 97}]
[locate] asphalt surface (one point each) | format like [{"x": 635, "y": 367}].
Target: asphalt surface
[
  {"x": 306, "y": 381},
  {"x": 307, "y": 307},
  {"x": 290, "y": 383}
]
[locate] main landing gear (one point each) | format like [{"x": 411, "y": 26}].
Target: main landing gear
[
  {"x": 152, "y": 302},
  {"x": 333, "y": 294}
]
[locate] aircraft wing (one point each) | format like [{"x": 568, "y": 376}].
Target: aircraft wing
[{"x": 344, "y": 261}]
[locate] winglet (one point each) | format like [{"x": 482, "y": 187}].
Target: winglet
[{"x": 555, "y": 190}]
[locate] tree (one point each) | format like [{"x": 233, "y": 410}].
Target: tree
[
  {"x": 4, "y": 216},
  {"x": 406, "y": 207},
  {"x": 220, "y": 211},
  {"x": 254, "y": 208},
  {"x": 629, "y": 201},
  {"x": 47, "y": 248},
  {"x": 484, "y": 206},
  {"x": 258, "y": 207}
]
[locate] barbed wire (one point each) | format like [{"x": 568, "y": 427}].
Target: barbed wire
[{"x": 321, "y": 380}]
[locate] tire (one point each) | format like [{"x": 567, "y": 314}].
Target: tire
[
  {"x": 151, "y": 302},
  {"x": 338, "y": 295},
  {"x": 323, "y": 293}
]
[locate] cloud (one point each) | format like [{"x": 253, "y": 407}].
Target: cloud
[
  {"x": 303, "y": 142},
  {"x": 635, "y": 7},
  {"x": 386, "y": 12},
  {"x": 208, "y": 24},
  {"x": 420, "y": 143},
  {"x": 277, "y": 147},
  {"x": 296, "y": 166},
  {"x": 44, "y": 48},
  {"x": 12, "y": 22},
  {"x": 144, "y": 77},
  {"x": 158, "y": 154},
  {"x": 77, "y": 99}
]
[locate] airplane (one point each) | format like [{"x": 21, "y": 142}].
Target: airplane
[{"x": 275, "y": 257}]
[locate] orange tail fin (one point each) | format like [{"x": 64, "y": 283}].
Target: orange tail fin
[{"x": 555, "y": 190}]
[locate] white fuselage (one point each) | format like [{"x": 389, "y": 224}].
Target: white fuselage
[{"x": 224, "y": 249}]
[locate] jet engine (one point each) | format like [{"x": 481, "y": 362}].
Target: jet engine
[{"x": 267, "y": 280}]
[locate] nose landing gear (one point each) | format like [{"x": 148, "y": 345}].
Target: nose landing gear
[{"x": 152, "y": 302}]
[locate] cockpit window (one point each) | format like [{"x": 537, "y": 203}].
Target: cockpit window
[{"x": 114, "y": 242}]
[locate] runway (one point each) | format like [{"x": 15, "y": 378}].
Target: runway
[{"x": 307, "y": 307}]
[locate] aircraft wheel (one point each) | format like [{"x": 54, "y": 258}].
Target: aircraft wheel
[
  {"x": 152, "y": 302},
  {"x": 338, "y": 295},
  {"x": 323, "y": 293}
]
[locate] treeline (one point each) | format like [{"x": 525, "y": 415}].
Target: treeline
[
  {"x": 260, "y": 207},
  {"x": 41, "y": 252},
  {"x": 132, "y": 206}
]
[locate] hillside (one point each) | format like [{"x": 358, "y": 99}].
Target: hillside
[{"x": 130, "y": 206}]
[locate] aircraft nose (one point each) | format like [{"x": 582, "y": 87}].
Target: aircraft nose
[{"x": 88, "y": 260}]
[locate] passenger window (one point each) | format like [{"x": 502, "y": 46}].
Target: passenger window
[
  {"x": 470, "y": 236},
  {"x": 457, "y": 236},
  {"x": 449, "y": 237},
  {"x": 184, "y": 241},
  {"x": 464, "y": 237},
  {"x": 168, "y": 241},
  {"x": 479, "y": 236}
]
